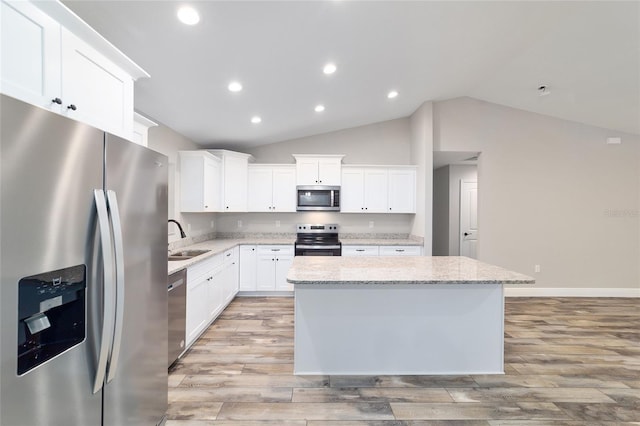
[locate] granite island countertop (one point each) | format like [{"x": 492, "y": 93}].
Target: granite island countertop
[{"x": 400, "y": 270}]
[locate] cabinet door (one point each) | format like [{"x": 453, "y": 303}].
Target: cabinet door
[
  {"x": 211, "y": 189},
  {"x": 329, "y": 171},
  {"x": 260, "y": 189},
  {"x": 266, "y": 272},
  {"x": 375, "y": 190},
  {"x": 402, "y": 191},
  {"x": 197, "y": 310},
  {"x": 284, "y": 189},
  {"x": 248, "y": 266},
  {"x": 30, "y": 54},
  {"x": 307, "y": 171},
  {"x": 101, "y": 92},
  {"x": 352, "y": 191},
  {"x": 215, "y": 295},
  {"x": 283, "y": 263},
  {"x": 235, "y": 184}
]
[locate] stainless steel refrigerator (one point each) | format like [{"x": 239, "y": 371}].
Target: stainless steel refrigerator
[{"x": 83, "y": 268}]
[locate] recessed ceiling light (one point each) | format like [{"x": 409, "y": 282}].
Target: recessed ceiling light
[
  {"x": 255, "y": 119},
  {"x": 392, "y": 94},
  {"x": 330, "y": 68},
  {"x": 188, "y": 15},
  {"x": 319, "y": 108},
  {"x": 234, "y": 86}
]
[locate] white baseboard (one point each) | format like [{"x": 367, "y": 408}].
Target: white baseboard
[{"x": 571, "y": 292}]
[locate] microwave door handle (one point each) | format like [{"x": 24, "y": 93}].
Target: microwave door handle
[
  {"x": 332, "y": 203},
  {"x": 120, "y": 283},
  {"x": 108, "y": 304}
]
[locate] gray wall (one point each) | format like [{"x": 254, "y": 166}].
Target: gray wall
[
  {"x": 386, "y": 142},
  {"x": 441, "y": 211},
  {"x": 551, "y": 193},
  {"x": 421, "y": 123},
  {"x": 168, "y": 142}
]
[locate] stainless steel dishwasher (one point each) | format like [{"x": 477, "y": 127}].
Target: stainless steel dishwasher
[{"x": 177, "y": 287}]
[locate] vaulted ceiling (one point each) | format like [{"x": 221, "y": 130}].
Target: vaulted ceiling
[{"x": 586, "y": 53}]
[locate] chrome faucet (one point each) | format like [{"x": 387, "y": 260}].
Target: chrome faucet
[{"x": 182, "y": 234}]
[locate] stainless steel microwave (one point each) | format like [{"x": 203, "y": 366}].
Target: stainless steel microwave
[{"x": 318, "y": 198}]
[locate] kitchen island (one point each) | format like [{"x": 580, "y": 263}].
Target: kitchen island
[{"x": 399, "y": 315}]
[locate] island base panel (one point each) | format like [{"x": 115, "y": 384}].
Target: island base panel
[{"x": 375, "y": 329}]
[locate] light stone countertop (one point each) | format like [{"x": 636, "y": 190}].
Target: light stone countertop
[
  {"x": 220, "y": 245},
  {"x": 399, "y": 270}
]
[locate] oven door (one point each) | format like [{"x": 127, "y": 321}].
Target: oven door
[{"x": 318, "y": 250}]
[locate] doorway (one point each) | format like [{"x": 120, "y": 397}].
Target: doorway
[{"x": 455, "y": 176}]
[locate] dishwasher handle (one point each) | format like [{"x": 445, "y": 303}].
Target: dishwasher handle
[{"x": 176, "y": 280}]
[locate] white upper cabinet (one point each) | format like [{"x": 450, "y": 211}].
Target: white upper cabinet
[
  {"x": 402, "y": 190},
  {"x": 318, "y": 169},
  {"x": 30, "y": 55},
  {"x": 271, "y": 188},
  {"x": 234, "y": 179},
  {"x": 53, "y": 59},
  {"x": 141, "y": 127},
  {"x": 200, "y": 184},
  {"x": 378, "y": 189},
  {"x": 94, "y": 90}
]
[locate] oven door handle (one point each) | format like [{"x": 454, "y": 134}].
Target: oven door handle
[{"x": 333, "y": 247}]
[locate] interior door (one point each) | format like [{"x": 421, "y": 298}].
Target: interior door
[
  {"x": 137, "y": 393},
  {"x": 468, "y": 218}
]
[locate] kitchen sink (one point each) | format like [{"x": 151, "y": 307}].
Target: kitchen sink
[{"x": 186, "y": 254}]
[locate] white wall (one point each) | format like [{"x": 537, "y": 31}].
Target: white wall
[
  {"x": 421, "y": 151},
  {"x": 551, "y": 193},
  {"x": 386, "y": 142},
  {"x": 168, "y": 142}
]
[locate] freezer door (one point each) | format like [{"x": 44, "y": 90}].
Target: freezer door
[
  {"x": 50, "y": 166},
  {"x": 136, "y": 388}
]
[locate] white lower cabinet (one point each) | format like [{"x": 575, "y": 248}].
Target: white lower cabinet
[
  {"x": 248, "y": 268},
  {"x": 400, "y": 251},
  {"x": 360, "y": 250},
  {"x": 272, "y": 265},
  {"x": 211, "y": 286}
]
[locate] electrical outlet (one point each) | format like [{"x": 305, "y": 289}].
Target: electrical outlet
[
  {"x": 239, "y": 224},
  {"x": 536, "y": 268},
  {"x": 277, "y": 224},
  {"x": 370, "y": 224},
  {"x": 212, "y": 224}
]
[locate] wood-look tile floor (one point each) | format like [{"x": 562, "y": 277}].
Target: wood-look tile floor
[{"x": 568, "y": 361}]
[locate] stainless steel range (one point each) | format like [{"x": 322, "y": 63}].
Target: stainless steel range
[{"x": 318, "y": 240}]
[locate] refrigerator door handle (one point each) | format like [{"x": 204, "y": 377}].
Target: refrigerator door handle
[
  {"x": 116, "y": 225},
  {"x": 109, "y": 290}
]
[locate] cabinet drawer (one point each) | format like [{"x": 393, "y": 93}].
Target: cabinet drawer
[
  {"x": 400, "y": 250},
  {"x": 203, "y": 267},
  {"x": 275, "y": 250},
  {"x": 230, "y": 256},
  {"x": 360, "y": 250}
]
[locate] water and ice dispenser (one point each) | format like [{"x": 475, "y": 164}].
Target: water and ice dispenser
[{"x": 51, "y": 315}]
